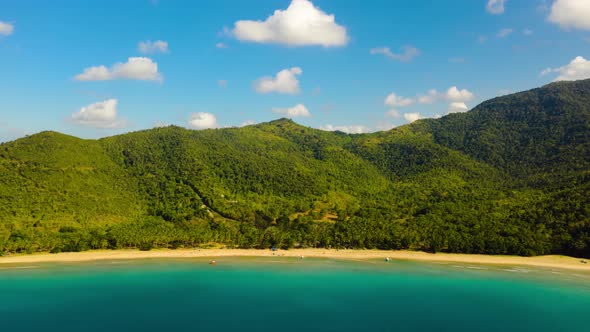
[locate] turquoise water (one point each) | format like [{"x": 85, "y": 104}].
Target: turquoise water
[{"x": 286, "y": 294}]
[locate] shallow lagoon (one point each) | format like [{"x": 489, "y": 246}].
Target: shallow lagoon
[{"x": 288, "y": 294}]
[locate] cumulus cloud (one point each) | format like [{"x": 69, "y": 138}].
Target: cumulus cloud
[
  {"x": 527, "y": 32},
  {"x": 409, "y": 53},
  {"x": 134, "y": 69},
  {"x": 99, "y": 115},
  {"x": 504, "y": 33},
  {"x": 457, "y": 107},
  {"x": 221, "y": 45},
  {"x": 284, "y": 82},
  {"x": 454, "y": 94},
  {"x": 202, "y": 120},
  {"x": 394, "y": 100},
  {"x": 495, "y": 7},
  {"x": 571, "y": 14},
  {"x": 457, "y": 99},
  {"x": 411, "y": 117},
  {"x": 6, "y": 29},
  {"x": 577, "y": 69},
  {"x": 354, "y": 129},
  {"x": 431, "y": 96},
  {"x": 298, "y": 110},
  {"x": 300, "y": 24},
  {"x": 148, "y": 47}
]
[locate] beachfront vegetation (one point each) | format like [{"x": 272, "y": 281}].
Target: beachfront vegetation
[{"x": 509, "y": 177}]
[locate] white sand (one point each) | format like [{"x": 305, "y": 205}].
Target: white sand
[{"x": 560, "y": 262}]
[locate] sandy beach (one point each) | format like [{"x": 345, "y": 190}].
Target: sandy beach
[{"x": 554, "y": 261}]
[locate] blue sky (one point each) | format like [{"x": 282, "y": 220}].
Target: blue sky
[{"x": 351, "y": 65}]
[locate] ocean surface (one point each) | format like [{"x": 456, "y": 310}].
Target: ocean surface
[{"x": 288, "y": 294}]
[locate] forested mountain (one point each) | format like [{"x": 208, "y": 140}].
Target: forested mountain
[{"x": 509, "y": 177}]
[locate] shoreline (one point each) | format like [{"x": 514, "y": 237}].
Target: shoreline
[{"x": 552, "y": 261}]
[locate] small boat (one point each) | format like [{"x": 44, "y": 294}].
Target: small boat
[
  {"x": 212, "y": 263},
  {"x": 387, "y": 259}
]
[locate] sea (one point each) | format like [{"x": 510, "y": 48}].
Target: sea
[{"x": 283, "y": 294}]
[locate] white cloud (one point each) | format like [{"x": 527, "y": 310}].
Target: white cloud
[
  {"x": 457, "y": 98},
  {"x": 394, "y": 100},
  {"x": 295, "y": 111},
  {"x": 221, "y": 45},
  {"x": 300, "y": 24},
  {"x": 134, "y": 69},
  {"x": 457, "y": 60},
  {"x": 392, "y": 113},
  {"x": 222, "y": 83},
  {"x": 504, "y": 33},
  {"x": 411, "y": 117},
  {"x": 457, "y": 107},
  {"x": 571, "y": 14},
  {"x": 148, "y": 47},
  {"x": 431, "y": 97},
  {"x": 409, "y": 52},
  {"x": 247, "y": 123},
  {"x": 6, "y": 29},
  {"x": 577, "y": 69},
  {"x": 285, "y": 82},
  {"x": 454, "y": 94},
  {"x": 160, "y": 124},
  {"x": 527, "y": 32},
  {"x": 99, "y": 115},
  {"x": 354, "y": 129},
  {"x": 202, "y": 120},
  {"x": 495, "y": 7},
  {"x": 482, "y": 39}
]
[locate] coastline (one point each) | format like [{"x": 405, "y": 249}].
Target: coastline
[{"x": 552, "y": 261}]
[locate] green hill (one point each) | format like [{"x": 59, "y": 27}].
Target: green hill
[
  {"x": 509, "y": 177},
  {"x": 532, "y": 133}
]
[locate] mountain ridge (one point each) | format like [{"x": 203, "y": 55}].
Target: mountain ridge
[{"x": 508, "y": 177}]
